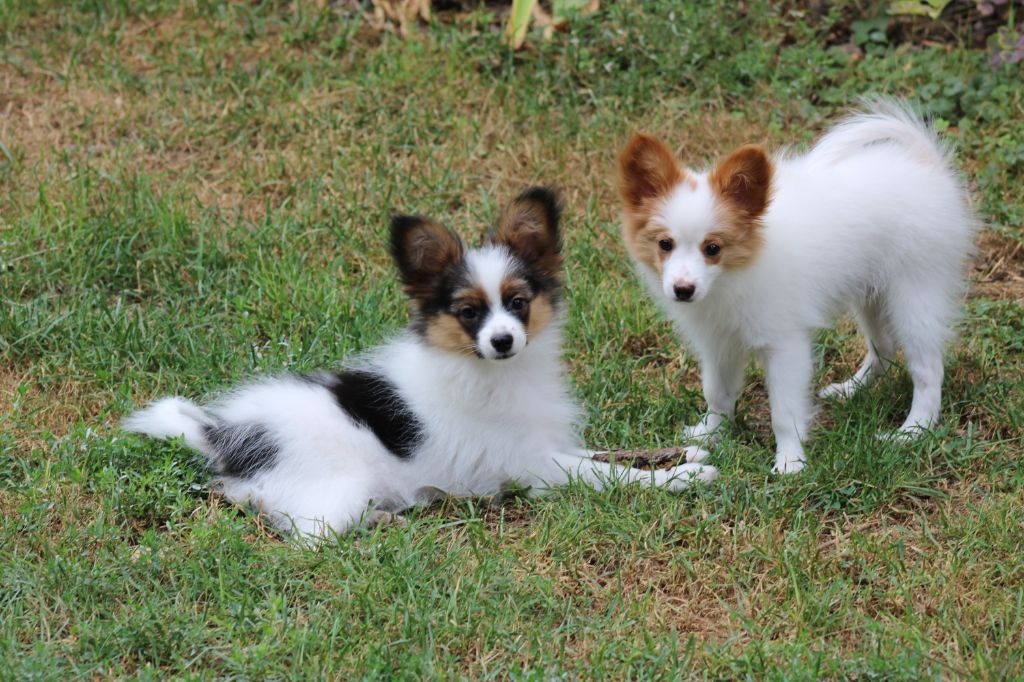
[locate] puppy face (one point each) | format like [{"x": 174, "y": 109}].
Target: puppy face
[
  {"x": 491, "y": 301},
  {"x": 687, "y": 228}
]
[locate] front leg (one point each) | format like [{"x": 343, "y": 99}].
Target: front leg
[
  {"x": 560, "y": 468},
  {"x": 721, "y": 371},
  {"x": 789, "y": 367}
]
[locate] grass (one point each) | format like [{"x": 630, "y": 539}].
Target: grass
[{"x": 192, "y": 194}]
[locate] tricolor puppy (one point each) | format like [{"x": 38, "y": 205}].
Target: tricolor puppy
[
  {"x": 472, "y": 397},
  {"x": 756, "y": 253}
]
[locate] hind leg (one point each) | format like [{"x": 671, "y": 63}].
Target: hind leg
[
  {"x": 881, "y": 348},
  {"x": 920, "y": 318},
  {"x": 311, "y": 510},
  {"x": 331, "y": 507},
  {"x": 924, "y": 362}
]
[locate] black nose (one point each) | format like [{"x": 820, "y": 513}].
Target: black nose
[
  {"x": 684, "y": 293},
  {"x": 502, "y": 343}
]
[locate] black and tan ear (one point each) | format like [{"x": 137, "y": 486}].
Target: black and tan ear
[
  {"x": 744, "y": 180},
  {"x": 529, "y": 227},
  {"x": 423, "y": 249},
  {"x": 647, "y": 169}
]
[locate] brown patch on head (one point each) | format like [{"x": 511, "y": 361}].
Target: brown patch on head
[
  {"x": 738, "y": 240},
  {"x": 529, "y": 228},
  {"x": 644, "y": 244},
  {"x": 742, "y": 184},
  {"x": 446, "y": 332},
  {"x": 542, "y": 311},
  {"x": 423, "y": 250},
  {"x": 648, "y": 172}
]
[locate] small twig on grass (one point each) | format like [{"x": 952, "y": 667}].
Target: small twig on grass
[{"x": 645, "y": 458}]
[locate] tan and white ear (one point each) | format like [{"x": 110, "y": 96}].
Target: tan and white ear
[
  {"x": 529, "y": 227},
  {"x": 744, "y": 180},
  {"x": 647, "y": 169},
  {"x": 423, "y": 249}
]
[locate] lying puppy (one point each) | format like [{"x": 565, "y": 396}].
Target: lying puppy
[
  {"x": 470, "y": 398},
  {"x": 755, "y": 254}
]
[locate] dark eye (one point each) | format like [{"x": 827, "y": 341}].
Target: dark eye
[
  {"x": 712, "y": 249},
  {"x": 665, "y": 245},
  {"x": 467, "y": 313},
  {"x": 517, "y": 303}
]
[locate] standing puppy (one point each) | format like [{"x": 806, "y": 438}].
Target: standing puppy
[
  {"x": 472, "y": 397},
  {"x": 758, "y": 252}
]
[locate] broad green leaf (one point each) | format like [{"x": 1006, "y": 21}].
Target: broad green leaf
[{"x": 930, "y": 8}]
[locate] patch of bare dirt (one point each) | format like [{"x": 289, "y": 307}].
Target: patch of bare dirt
[{"x": 998, "y": 271}]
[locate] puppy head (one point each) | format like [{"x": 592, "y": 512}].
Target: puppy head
[
  {"x": 491, "y": 301},
  {"x": 687, "y": 228}
]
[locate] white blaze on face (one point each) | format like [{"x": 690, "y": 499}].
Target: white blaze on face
[
  {"x": 502, "y": 334},
  {"x": 688, "y": 216}
]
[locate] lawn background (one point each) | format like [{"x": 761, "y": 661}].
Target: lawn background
[{"x": 194, "y": 193}]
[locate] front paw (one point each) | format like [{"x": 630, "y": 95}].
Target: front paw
[
  {"x": 904, "y": 434},
  {"x": 382, "y": 518},
  {"x": 789, "y": 463},
  {"x": 701, "y": 432},
  {"x": 685, "y": 475},
  {"x": 695, "y": 453}
]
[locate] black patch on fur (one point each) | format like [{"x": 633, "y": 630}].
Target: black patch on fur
[
  {"x": 472, "y": 326},
  {"x": 374, "y": 402},
  {"x": 542, "y": 282},
  {"x": 243, "y": 450}
]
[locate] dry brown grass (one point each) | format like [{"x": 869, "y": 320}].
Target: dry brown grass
[{"x": 54, "y": 408}]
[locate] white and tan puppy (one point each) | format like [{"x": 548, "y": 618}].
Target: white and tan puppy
[{"x": 753, "y": 255}]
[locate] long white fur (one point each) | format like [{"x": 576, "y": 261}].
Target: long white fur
[
  {"x": 488, "y": 423},
  {"x": 872, "y": 220}
]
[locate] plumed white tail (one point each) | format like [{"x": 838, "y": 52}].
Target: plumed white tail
[
  {"x": 884, "y": 120},
  {"x": 170, "y": 417}
]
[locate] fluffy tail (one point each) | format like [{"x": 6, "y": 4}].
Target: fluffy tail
[
  {"x": 884, "y": 120},
  {"x": 170, "y": 417}
]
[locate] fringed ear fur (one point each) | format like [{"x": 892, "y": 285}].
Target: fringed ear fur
[
  {"x": 529, "y": 228},
  {"x": 423, "y": 249},
  {"x": 744, "y": 180},
  {"x": 647, "y": 169}
]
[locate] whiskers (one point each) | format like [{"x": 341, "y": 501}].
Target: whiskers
[{"x": 467, "y": 349}]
